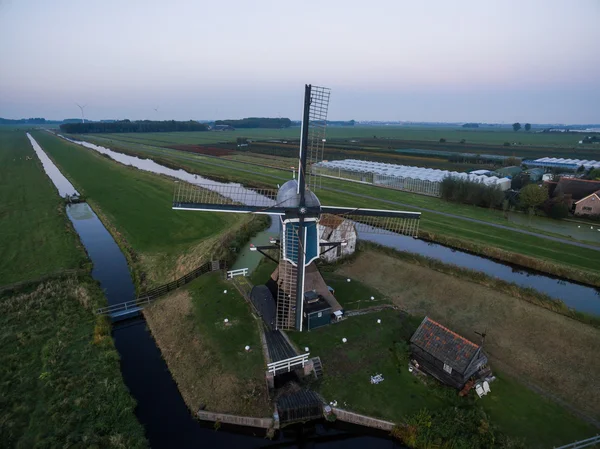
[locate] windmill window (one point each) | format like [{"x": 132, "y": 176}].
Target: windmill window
[
  {"x": 448, "y": 368},
  {"x": 319, "y": 315}
]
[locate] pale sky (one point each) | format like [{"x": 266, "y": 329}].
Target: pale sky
[{"x": 431, "y": 60}]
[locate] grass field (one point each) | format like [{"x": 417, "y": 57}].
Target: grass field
[
  {"x": 532, "y": 251},
  {"x": 205, "y": 355},
  {"x": 487, "y": 136},
  {"x": 532, "y": 342},
  {"x": 61, "y": 382},
  {"x": 136, "y": 206},
  {"x": 379, "y": 348},
  {"x": 36, "y": 237}
]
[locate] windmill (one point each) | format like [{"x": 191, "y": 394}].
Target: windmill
[
  {"x": 298, "y": 210},
  {"x": 82, "y": 108}
]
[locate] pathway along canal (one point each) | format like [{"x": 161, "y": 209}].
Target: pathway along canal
[
  {"x": 577, "y": 296},
  {"x": 167, "y": 421}
]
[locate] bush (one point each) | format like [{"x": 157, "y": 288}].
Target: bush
[
  {"x": 506, "y": 144},
  {"x": 470, "y": 192},
  {"x": 442, "y": 140},
  {"x": 559, "y": 211}
]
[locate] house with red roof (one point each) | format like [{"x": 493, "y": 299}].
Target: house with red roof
[
  {"x": 445, "y": 355},
  {"x": 590, "y": 205}
]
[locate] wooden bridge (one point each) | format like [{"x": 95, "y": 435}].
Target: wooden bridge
[{"x": 129, "y": 309}]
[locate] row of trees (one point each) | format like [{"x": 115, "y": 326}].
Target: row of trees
[
  {"x": 257, "y": 122},
  {"x": 471, "y": 192},
  {"x": 127, "y": 126},
  {"x": 517, "y": 126}
]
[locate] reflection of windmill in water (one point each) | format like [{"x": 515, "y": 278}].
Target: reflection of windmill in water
[{"x": 308, "y": 229}]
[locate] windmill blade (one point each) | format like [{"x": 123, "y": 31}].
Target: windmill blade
[
  {"x": 376, "y": 221},
  {"x": 319, "y": 104},
  {"x": 226, "y": 198}
]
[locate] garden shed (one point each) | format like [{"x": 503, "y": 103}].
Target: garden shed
[{"x": 444, "y": 354}]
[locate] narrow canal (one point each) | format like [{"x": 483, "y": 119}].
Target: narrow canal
[
  {"x": 167, "y": 421},
  {"x": 574, "y": 295}
]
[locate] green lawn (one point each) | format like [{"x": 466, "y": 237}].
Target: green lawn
[
  {"x": 353, "y": 295},
  {"x": 36, "y": 237},
  {"x": 207, "y": 356},
  {"x": 137, "y": 205},
  {"x": 373, "y": 348},
  {"x": 61, "y": 382}
]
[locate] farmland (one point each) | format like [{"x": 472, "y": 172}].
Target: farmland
[
  {"x": 136, "y": 207},
  {"x": 444, "y": 222},
  {"x": 522, "y": 344},
  {"x": 36, "y": 236}
]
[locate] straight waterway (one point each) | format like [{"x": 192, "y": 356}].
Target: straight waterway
[
  {"x": 167, "y": 421},
  {"x": 579, "y": 297}
]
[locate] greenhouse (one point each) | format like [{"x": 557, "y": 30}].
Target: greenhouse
[
  {"x": 553, "y": 162},
  {"x": 421, "y": 180}
]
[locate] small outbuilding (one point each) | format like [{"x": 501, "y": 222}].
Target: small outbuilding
[
  {"x": 445, "y": 355},
  {"x": 335, "y": 229},
  {"x": 317, "y": 311}
]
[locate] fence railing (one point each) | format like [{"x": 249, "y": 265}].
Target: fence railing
[
  {"x": 239, "y": 272},
  {"x": 150, "y": 295},
  {"x": 582, "y": 443},
  {"x": 287, "y": 364}
]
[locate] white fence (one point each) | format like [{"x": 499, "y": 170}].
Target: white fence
[
  {"x": 240, "y": 272},
  {"x": 288, "y": 364},
  {"x": 583, "y": 443}
]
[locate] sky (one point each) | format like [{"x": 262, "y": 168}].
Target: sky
[{"x": 429, "y": 60}]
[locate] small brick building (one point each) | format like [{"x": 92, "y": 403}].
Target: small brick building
[
  {"x": 445, "y": 355},
  {"x": 590, "y": 205}
]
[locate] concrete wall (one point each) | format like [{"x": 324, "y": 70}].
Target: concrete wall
[
  {"x": 362, "y": 420},
  {"x": 263, "y": 423}
]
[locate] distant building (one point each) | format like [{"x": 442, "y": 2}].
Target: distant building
[
  {"x": 508, "y": 172},
  {"x": 222, "y": 128},
  {"x": 535, "y": 174},
  {"x": 332, "y": 228},
  {"x": 590, "y": 205},
  {"x": 445, "y": 355}
]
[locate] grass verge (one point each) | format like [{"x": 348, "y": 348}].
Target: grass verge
[
  {"x": 205, "y": 355},
  {"x": 61, "y": 381}
]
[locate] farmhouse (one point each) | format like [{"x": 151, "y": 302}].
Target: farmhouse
[
  {"x": 333, "y": 228},
  {"x": 444, "y": 354},
  {"x": 590, "y": 205},
  {"x": 574, "y": 189}
]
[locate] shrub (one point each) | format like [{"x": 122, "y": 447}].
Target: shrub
[
  {"x": 559, "y": 211},
  {"x": 442, "y": 140},
  {"x": 470, "y": 192}
]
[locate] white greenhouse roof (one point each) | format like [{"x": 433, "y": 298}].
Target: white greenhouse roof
[
  {"x": 406, "y": 171},
  {"x": 586, "y": 163}
]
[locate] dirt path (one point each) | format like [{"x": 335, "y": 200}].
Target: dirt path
[{"x": 555, "y": 353}]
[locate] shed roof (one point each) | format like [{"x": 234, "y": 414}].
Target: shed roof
[{"x": 444, "y": 345}]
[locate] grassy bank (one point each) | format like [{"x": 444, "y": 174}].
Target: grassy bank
[
  {"x": 136, "y": 207},
  {"x": 512, "y": 409},
  {"x": 536, "y": 252},
  {"x": 528, "y": 294},
  {"x": 206, "y": 356},
  {"x": 36, "y": 237},
  {"x": 61, "y": 382}
]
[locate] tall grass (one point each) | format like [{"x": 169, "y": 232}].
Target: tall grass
[
  {"x": 61, "y": 382},
  {"x": 528, "y": 294}
]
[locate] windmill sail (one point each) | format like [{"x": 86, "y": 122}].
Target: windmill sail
[
  {"x": 376, "y": 221},
  {"x": 226, "y": 198},
  {"x": 319, "y": 104}
]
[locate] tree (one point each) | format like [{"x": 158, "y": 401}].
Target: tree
[
  {"x": 516, "y": 126},
  {"x": 527, "y": 126},
  {"x": 532, "y": 196},
  {"x": 442, "y": 140},
  {"x": 594, "y": 174},
  {"x": 559, "y": 211}
]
